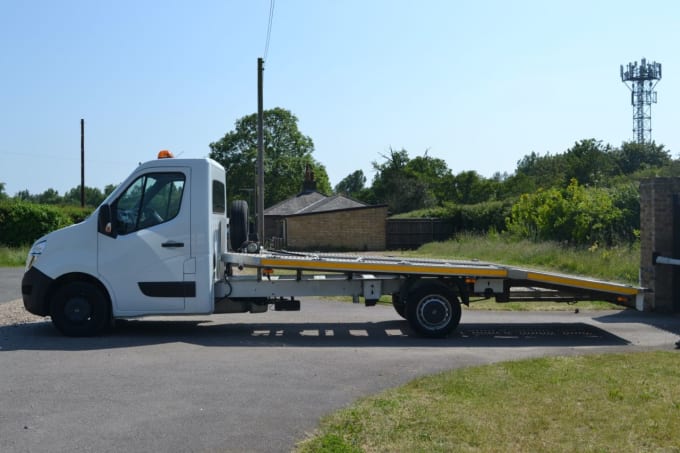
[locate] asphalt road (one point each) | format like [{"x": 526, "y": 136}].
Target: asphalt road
[
  {"x": 10, "y": 283},
  {"x": 258, "y": 382}
]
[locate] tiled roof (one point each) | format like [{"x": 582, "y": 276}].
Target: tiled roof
[{"x": 308, "y": 202}]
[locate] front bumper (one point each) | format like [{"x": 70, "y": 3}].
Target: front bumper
[{"x": 34, "y": 290}]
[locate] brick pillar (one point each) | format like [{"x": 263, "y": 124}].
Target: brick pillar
[{"x": 660, "y": 233}]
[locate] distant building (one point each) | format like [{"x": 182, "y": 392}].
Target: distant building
[{"x": 312, "y": 220}]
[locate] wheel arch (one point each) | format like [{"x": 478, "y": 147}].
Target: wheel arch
[
  {"x": 455, "y": 284},
  {"x": 78, "y": 277}
]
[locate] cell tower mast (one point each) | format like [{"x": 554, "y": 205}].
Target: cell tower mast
[{"x": 641, "y": 81}]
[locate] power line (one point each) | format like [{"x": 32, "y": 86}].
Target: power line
[{"x": 269, "y": 29}]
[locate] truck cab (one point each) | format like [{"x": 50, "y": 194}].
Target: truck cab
[{"x": 152, "y": 247}]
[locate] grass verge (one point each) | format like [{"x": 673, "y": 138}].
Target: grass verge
[
  {"x": 608, "y": 403},
  {"x": 13, "y": 256},
  {"x": 619, "y": 263}
]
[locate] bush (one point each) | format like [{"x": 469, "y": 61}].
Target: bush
[
  {"x": 473, "y": 218},
  {"x": 481, "y": 217},
  {"x": 576, "y": 215},
  {"x": 22, "y": 223},
  {"x": 76, "y": 214}
]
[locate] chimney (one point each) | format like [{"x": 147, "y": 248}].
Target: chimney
[{"x": 309, "y": 184}]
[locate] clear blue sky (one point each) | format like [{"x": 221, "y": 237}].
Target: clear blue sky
[{"x": 479, "y": 84}]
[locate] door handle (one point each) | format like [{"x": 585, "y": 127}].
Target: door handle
[{"x": 172, "y": 244}]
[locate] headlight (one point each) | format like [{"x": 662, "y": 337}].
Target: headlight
[{"x": 35, "y": 252}]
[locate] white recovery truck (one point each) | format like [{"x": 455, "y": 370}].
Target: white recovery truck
[{"x": 159, "y": 245}]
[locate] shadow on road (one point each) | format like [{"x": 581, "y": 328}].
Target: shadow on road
[
  {"x": 662, "y": 321},
  {"x": 387, "y": 334}
]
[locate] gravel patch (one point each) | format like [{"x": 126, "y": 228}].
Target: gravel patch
[{"x": 13, "y": 313}]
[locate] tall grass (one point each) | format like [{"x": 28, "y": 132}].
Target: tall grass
[
  {"x": 13, "y": 256},
  {"x": 618, "y": 263}
]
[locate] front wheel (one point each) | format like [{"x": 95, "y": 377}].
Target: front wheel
[
  {"x": 433, "y": 310},
  {"x": 80, "y": 309}
]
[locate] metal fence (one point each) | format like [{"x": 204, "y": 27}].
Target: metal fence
[{"x": 412, "y": 233}]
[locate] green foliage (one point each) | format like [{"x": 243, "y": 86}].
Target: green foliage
[
  {"x": 586, "y": 195},
  {"x": 482, "y": 217},
  {"x": 13, "y": 256},
  {"x": 610, "y": 402},
  {"x": 22, "y": 223},
  {"x": 591, "y": 163},
  {"x": 473, "y": 218},
  {"x": 433, "y": 173},
  {"x": 398, "y": 187},
  {"x": 626, "y": 197},
  {"x": 93, "y": 196},
  {"x": 588, "y": 161},
  {"x": 75, "y": 214},
  {"x": 576, "y": 215},
  {"x": 287, "y": 153},
  {"x": 352, "y": 184},
  {"x": 329, "y": 443},
  {"x": 616, "y": 263},
  {"x": 633, "y": 157},
  {"x": 406, "y": 184}
]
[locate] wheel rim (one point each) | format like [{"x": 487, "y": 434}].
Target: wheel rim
[
  {"x": 434, "y": 313},
  {"x": 77, "y": 309}
]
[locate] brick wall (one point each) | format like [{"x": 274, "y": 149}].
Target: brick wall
[
  {"x": 657, "y": 230},
  {"x": 347, "y": 229}
]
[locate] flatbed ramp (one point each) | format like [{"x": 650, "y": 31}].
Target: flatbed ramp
[{"x": 505, "y": 283}]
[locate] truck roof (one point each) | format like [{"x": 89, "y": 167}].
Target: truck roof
[{"x": 173, "y": 162}]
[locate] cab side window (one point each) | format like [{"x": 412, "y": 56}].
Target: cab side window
[
  {"x": 150, "y": 200},
  {"x": 219, "y": 198}
]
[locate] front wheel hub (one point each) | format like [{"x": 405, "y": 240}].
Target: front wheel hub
[
  {"x": 434, "y": 313},
  {"x": 77, "y": 309}
]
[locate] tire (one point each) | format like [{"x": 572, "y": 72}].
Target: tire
[
  {"x": 399, "y": 305},
  {"x": 80, "y": 309},
  {"x": 238, "y": 224},
  {"x": 433, "y": 310}
]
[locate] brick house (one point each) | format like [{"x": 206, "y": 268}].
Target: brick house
[{"x": 314, "y": 221}]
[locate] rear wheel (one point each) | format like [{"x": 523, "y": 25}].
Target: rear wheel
[
  {"x": 399, "y": 305},
  {"x": 238, "y": 224},
  {"x": 433, "y": 310},
  {"x": 80, "y": 309}
]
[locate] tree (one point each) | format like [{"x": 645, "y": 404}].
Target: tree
[
  {"x": 93, "y": 196},
  {"x": 108, "y": 189},
  {"x": 23, "y": 195},
  {"x": 286, "y": 154},
  {"x": 3, "y": 194},
  {"x": 434, "y": 173},
  {"x": 352, "y": 184},
  {"x": 50, "y": 196},
  {"x": 535, "y": 171},
  {"x": 590, "y": 162},
  {"x": 398, "y": 187},
  {"x": 470, "y": 188},
  {"x": 633, "y": 156}
]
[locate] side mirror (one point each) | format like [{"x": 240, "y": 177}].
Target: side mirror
[{"x": 105, "y": 221}]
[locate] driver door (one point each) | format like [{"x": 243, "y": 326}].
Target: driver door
[{"x": 143, "y": 261}]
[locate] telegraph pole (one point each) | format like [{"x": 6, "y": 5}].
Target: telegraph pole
[
  {"x": 82, "y": 163},
  {"x": 259, "y": 183}
]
